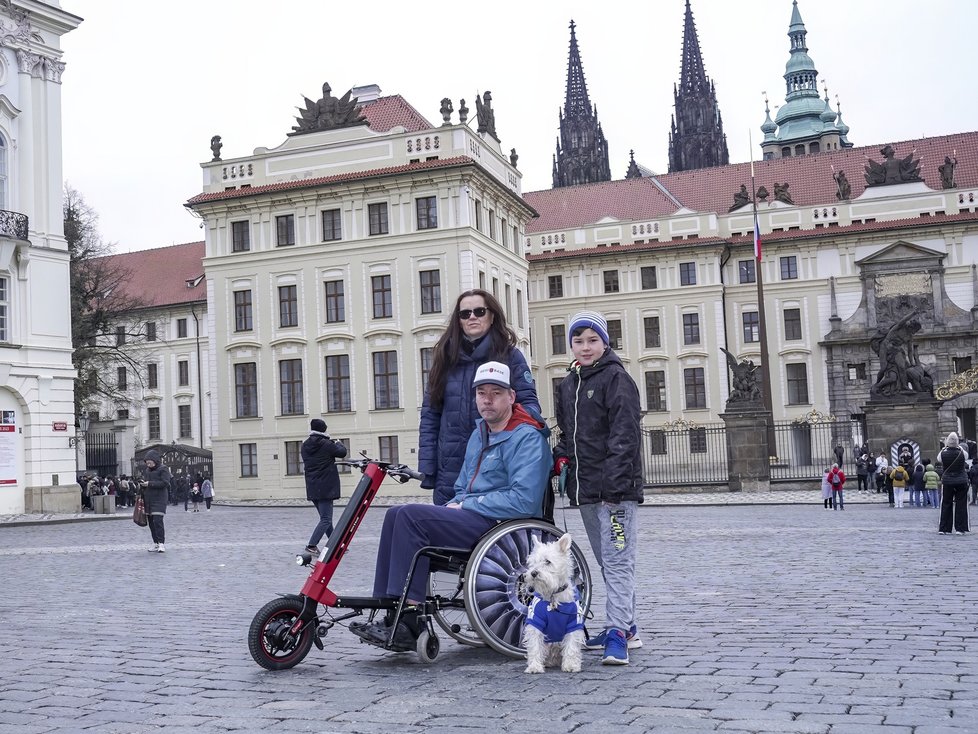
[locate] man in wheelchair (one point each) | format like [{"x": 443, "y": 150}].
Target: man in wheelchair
[{"x": 504, "y": 477}]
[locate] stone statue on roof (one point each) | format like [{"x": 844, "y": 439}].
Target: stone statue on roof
[
  {"x": 782, "y": 194},
  {"x": 947, "y": 172},
  {"x": 762, "y": 194},
  {"x": 741, "y": 198},
  {"x": 484, "y": 114},
  {"x": 843, "y": 190},
  {"x": 329, "y": 113},
  {"x": 892, "y": 170},
  {"x": 216, "y": 146}
]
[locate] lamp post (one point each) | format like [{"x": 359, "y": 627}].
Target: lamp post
[{"x": 83, "y": 423}]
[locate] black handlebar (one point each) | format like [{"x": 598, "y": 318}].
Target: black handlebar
[{"x": 398, "y": 472}]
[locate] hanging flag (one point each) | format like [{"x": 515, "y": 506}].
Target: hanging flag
[{"x": 757, "y": 240}]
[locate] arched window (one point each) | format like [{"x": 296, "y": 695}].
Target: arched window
[
  {"x": 800, "y": 150},
  {"x": 786, "y": 152},
  {"x": 813, "y": 147}
]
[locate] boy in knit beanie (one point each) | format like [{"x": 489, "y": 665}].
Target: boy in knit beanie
[{"x": 597, "y": 407}]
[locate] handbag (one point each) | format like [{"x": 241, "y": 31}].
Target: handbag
[{"x": 139, "y": 513}]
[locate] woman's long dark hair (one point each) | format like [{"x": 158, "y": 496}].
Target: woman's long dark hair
[{"x": 446, "y": 350}]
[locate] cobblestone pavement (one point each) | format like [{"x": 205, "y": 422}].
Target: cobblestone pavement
[{"x": 762, "y": 618}]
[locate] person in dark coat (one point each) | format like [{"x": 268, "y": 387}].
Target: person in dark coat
[
  {"x": 477, "y": 333},
  {"x": 954, "y": 501},
  {"x": 155, "y": 486},
  {"x": 319, "y": 455},
  {"x": 973, "y": 478},
  {"x": 598, "y": 413}
]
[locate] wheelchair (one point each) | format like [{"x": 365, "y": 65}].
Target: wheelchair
[{"x": 477, "y": 596}]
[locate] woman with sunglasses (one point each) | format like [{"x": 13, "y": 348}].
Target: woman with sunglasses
[{"x": 476, "y": 333}]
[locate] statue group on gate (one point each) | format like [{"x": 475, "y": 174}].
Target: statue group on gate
[
  {"x": 745, "y": 388},
  {"x": 901, "y": 374}
]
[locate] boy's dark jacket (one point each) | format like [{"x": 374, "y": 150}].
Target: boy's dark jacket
[{"x": 606, "y": 451}]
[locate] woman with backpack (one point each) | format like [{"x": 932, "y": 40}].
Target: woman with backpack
[
  {"x": 954, "y": 502},
  {"x": 899, "y": 478},
  {"x": 837, "y": 480}
]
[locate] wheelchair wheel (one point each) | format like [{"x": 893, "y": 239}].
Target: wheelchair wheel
[
  {"x": 451, "y": 615},
  {"x": 495, "y": 592}
]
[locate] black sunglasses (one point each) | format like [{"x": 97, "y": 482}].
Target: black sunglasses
[{"x": 465, "y": 313}]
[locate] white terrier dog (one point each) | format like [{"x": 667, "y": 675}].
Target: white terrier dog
[{"x": 554, "y": 629}]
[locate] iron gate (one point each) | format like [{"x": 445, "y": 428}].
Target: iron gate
[
  {"x": 684, "y": 453},
  {"x": 101, "y": 454}
]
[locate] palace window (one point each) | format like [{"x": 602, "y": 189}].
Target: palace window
[
  {"x": 290, "y": 386},
  {"x": 288, "y": 306},
  {"x": 182, "y": 328},
  {"x": 246, "y": 390},
  {"x": 153, "y": 423},
  {"x": 747, "y": 271},
  {"x": 335, "y": 303},
  {"x": 691, "y": 328},
  {"x": 427, "y": 211},
  {"x": 649, "y": 281},
  {"x": 653, "y": 336},
  {"x": 430, "y": 291},
  {"x": 558, "y": 339},
  {"x": 184, "y": 421},
  {"x": 797, "y": 376},
  {"x": 694, "y": 382},
  {"x": 687, "y": 273},
  {"x": 183, "y": 373},
  {"x": 152, "y": 376},
  {"x": 655, "y": 391},
  {"x": 611, "y": 284},
  {"x": 240, "y": 236},
  {"x": 614, "y": 334},
  {"x": 792, "y": 324},
  {"x": 285, "y": 230},
  {"x": 789, "y": 268},
  {"x": 332, "y": 225},
  {"x": 249, "y": 459},
  {"x": 377, "y": 215},
  {"x": 752, "y": 326},
  {"x": 388, "y": 449},
  {"x": 338, "y": 398},
  {"x": 242, "y": 311},
  {"x": 386, "y": 393},
  {"x": 380, "y": 286},
  {"x": 293, "y": 458},
  {"x": 555, "y": 285}
]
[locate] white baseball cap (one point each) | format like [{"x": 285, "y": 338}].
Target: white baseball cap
[{"x": 492, "y": 373}]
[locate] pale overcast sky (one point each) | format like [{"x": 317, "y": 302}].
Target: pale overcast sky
[{"x": 148, "y": 84}]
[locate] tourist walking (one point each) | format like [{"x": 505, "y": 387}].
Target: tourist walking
[
  {"x": 156, "y": 484},
  {"x": 477, "y": 333},
  {"x": 917, "y": 486},
  {"x": 319, "y": 455},
  {"x": 826, "y": 491},
  {"x": 207, "y": 489},
  {"x": 899, "y": 478},
  {"x": 932, "y": 482},
  {"x": 954, "y": 502},
  {"x": 837, "y": 480}
]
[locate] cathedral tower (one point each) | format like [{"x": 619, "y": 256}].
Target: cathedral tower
[
  {"x": 582, "y": 151},
  {"x": 696, "y": 139}
]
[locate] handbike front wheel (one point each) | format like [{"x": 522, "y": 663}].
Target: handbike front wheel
[{"x": 269, "y": 640}]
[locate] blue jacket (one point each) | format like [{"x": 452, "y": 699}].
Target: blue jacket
[
  {"x": 506, "y": 472},
  {"x": 444, "y": 433}
]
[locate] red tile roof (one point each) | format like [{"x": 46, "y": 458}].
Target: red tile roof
[
  {"x": 768, "y": 239},
  {"x": 712, "y": 189},
  {"x": 388, "y": 112},
  {"x": 461, "y": 160},
  {"x": 159, "y": 277}
]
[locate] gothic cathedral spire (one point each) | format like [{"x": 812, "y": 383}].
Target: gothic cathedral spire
[
  {"x": 582, "y": 151},
  {"x": 696, "y": 139}
]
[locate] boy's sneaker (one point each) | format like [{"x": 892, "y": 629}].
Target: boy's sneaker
[
  {"x": 597, "y": 642},
  {"x": 161, "y": 549},
  {"x": 155, "y": 548},
  {"x": 615, "y": 648}
]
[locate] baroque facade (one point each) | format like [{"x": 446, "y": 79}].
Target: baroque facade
[
  {"x": 670, "y": 263},
  {"x": 331, "y": 263},
  {"x": 37, "y": 423}
]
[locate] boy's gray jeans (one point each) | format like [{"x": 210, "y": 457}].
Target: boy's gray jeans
[{"x": 612, "y": 531}]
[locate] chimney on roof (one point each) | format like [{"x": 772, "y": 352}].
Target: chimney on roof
[{"x": 366, "y": 93}]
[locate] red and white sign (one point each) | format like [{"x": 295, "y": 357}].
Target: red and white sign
[{"x": 59, "y": 426}]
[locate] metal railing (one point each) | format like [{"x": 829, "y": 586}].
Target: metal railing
[
  {"x": 805, "y": 450},
  {"x": 682, "y": 453},
  {"x": 13, "y": 225}
]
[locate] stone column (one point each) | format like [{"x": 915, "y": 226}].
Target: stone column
[
  {"x": 748, "y": 463},
  {"x": 887, "y": 423}
]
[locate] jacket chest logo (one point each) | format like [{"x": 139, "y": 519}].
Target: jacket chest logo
[{"x": 590, "y": 394}]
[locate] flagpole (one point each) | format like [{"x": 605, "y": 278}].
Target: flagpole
[{"x": 767, "y": 391}]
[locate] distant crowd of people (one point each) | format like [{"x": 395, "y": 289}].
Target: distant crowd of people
[
  {"x": 942, "y": 484},
  {"x": 191, "y": 491}
]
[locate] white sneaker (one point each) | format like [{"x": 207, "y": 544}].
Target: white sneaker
[
  {"x": 161, "y": 549},
  {"x": 154, "y": 549}
]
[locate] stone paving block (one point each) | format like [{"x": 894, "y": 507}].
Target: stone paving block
[{"x": 770, "y": 726}]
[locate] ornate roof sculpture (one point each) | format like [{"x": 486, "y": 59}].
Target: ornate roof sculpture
[
  {"x": 696, "y": 139},
  {"x": 329, "y": 113},
  {"x": 582, "y": 151}
]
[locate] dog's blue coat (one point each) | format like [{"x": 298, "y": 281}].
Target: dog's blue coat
[{"x": 556, "y": 623}]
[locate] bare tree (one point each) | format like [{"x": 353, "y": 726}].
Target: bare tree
[{"x": 105, "y": 320}]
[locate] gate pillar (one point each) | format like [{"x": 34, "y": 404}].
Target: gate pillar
[
  {"x": 748, "y": 463},
  {"x": 890, "y": 423}
]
